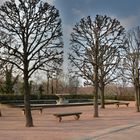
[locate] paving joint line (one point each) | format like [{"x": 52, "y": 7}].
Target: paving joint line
[{"x": 109, "y": 131}]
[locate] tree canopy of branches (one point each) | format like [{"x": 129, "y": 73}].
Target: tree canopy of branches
[
  {"x": 35, "y": 30},
  {"x": 95, "y": 51},
  {"x": 131, "y": 64}
]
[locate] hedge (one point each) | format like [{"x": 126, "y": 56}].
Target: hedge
[{"x": 10, "y": 97}]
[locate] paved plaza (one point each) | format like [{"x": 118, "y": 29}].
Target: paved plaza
[{"x": 113, "y": 124}]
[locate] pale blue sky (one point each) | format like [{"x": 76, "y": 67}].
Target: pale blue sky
[
  {"x": 126, "y": 11},
  {"x": 71, "y": 11}
]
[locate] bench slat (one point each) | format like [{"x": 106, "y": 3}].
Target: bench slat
[
  {"x": 34, "y": 108},
  {"x": 67, "y": 114},
  {"x": 60, "y": 115},
  {"x": 122, "y": 103}
]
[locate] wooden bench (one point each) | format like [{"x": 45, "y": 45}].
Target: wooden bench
[
  {"x": 60, "y": 115},
  {"x": 122, "y": 103},
  {"x": 34, "y": 108}
]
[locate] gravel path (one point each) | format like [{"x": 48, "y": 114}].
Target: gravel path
[{"x": 46, "y": 127}]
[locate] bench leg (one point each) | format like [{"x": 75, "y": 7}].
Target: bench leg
[
  {"x": 40, "y": 111},
  {"x": 122, "y": 104},
  {"x": 23, "y": 112},
  {"x": 59, "y": 119},
  {"x": 117, "y": 105},
  {"x": 77, "y": 117}
]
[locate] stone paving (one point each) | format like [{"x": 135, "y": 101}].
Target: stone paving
[{"x": 113, "y": 124}]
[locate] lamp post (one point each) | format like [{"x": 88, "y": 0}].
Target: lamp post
[
  {"x": 53, "y": 76},
  {"x": 48, "y": 81},
  {"x": 52, "y": 85},
  {"x": 56, "y": 82}
]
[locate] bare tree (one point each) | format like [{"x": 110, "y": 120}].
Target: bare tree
[
  {"x": 36, "y": 26},
  {"x": 131, "y": 64},
  {"x": 94, "y": 50},
  {"x": 110, "y": 55}
]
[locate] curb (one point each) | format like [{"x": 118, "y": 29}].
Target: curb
[{"x": 108, "y": 131}]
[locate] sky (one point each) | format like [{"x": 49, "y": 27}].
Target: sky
[
  {"x": 126, "y": 11},
  {"x": 71, "y": 11}
]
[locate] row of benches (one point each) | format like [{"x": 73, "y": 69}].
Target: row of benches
[
  {"x": 57, "y": 115},
  {"x": 41, "y": 108},
  {"x": 60, "y": 115},
  {"x": 75, "y": 114}
]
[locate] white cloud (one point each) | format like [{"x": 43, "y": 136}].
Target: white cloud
[
  {"x": 51, "y": 2},
  {"x": 78, "y": 12},
  {"x": 1, "y": 1},
  {"x": 129, "y": 22},
  {"x": 67, "y": 29}
]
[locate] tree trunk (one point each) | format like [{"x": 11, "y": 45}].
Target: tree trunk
[
  {"x": 52, "y": 87},
  {"x": 96, "y": 92},
  {"x": 48, "y": 82},
  {"x": 28, "y": 115},
  {"x": 96, "y": 102},
  {"x": 95, "y": 78},
  {"x": 137, "y": 98},
  {"x": 102, "y": 99},
  {"x": 102, "y": 96}
]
